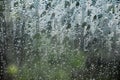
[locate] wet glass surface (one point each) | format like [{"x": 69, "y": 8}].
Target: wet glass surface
[{"x": 60, "y": 39}]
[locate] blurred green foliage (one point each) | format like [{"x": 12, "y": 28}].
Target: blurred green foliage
[
  {"x": 51, "y": 65},
  {"x": 12, "y": 69}
]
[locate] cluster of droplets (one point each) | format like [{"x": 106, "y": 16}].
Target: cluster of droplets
[{"x": 49, "y": 34}]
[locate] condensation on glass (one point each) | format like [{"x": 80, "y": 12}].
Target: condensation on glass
[{"x": 60, "y": 39}]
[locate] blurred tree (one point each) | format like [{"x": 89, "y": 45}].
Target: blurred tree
[{"x": 3, "y": 44}]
